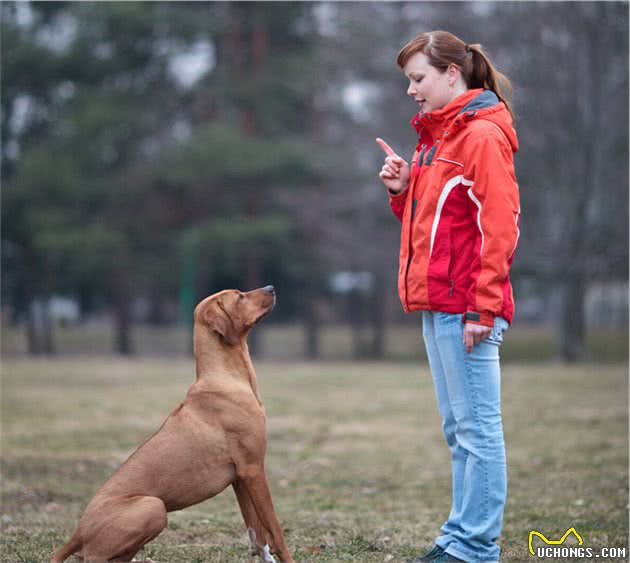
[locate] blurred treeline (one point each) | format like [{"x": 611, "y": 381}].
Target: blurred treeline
[{"x": 153, "y": 153}]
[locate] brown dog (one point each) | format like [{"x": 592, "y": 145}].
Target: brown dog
[{"x": 215, "y": 438}]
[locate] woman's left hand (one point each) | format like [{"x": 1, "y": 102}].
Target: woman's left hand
[{"x": 474, "y": 334}]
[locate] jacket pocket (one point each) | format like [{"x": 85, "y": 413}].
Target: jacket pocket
[
  {"x": 450, "y": 160},
  {"x": 440, "y": 260}
]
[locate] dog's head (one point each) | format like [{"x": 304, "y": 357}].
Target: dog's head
[{"x": 232, "y": 313}]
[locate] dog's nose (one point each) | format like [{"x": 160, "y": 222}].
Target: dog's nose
[{"x": 270, "y": 289}]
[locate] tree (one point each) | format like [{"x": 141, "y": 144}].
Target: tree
[
  {"x": 573, "y": 163},
  {"x": 98, "y": 111}
]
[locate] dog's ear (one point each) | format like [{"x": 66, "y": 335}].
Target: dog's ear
[{"x": 218, "y": 320}]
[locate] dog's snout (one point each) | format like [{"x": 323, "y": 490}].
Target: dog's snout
[{"x": 270, "y": 289}]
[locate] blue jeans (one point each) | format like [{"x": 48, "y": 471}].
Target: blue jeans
[{"x": 468, "y": 390}]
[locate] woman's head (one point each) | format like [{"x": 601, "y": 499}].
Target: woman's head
[{"x": 450, "y": 65}]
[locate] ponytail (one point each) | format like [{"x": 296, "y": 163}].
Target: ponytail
[{"x": 484, "y": 75}]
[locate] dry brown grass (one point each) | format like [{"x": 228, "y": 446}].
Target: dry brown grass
[{"x": 356, "y": 460}]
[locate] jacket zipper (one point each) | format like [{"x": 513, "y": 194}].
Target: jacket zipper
[
  {"x": 414, "y": 202},
  {"x": 411, "y": 216}
]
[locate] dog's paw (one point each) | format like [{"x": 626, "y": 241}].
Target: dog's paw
[
  {"x": 264, "y": 552},
  {"x": 266, "y": 555}
]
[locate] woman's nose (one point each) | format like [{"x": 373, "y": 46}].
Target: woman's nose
[{"x": 411, "y": 91}]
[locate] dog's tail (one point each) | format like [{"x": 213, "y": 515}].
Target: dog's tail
[{"x": 67, "y": 550}]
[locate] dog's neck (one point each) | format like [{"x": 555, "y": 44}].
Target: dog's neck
[{"x": 212, "y": 355}]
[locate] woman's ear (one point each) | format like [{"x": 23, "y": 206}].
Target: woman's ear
[
  {"x": 453, "y": 73},
  {"x": 218, "y": 320}
]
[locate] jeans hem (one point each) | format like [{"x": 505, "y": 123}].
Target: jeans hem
[{"x": 466, "y": 555}]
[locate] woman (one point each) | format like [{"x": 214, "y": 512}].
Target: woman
[{"x": 459, "y": 207}]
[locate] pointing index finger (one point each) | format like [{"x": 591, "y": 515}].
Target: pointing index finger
[{"x": 388, "y": 150}]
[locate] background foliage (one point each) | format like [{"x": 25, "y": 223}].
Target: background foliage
[{"x": 161, "y": 151}]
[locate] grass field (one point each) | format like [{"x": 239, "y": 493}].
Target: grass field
[
  {"x": 356, "y": 460},
  {"x": 286, "y": 342}
]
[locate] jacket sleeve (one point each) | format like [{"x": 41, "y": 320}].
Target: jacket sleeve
[
  {"x": 494, "y": 204},
  {"x": 397, "y": 202}
]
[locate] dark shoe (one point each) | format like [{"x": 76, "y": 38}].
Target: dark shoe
[
  {"x": 429, "y": 556},
  {"x": 446, "y": 558}
]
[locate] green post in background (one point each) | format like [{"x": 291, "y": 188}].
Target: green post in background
[{"x": 187, "y": 276}]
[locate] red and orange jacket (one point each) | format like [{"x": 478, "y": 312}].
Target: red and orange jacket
[{"x": 460, "y": 211}]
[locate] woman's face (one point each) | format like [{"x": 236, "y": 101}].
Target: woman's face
[{"x": 431, "y": 88}]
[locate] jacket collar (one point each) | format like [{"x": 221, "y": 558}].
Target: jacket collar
[
  {"x": 436, "y": 121},
  {"x": 486, "y": 99}
]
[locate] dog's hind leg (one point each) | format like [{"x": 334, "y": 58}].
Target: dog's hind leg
[
  {"x": 118, "y": 531},
  {"x": 73, "y": 545}
]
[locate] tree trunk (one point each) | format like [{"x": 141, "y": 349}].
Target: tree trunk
[
  {"x": 122, "y": 312},
  {"x": 311, "y": 321},
  {"x": 32, "y": 342},
  {"x": 572, "y": 335},
  {"x": 594, "y": 149},
  {"x": 33, "y": 346},
  {"x": 47, "y": 336},
  {"x": 39, "y": 327},
  {"x": 356, "y": 317},
  {"x": 253, "y": 281},
  {"x": 377, "y": 317},
  {"x": 258, "y": 47}
]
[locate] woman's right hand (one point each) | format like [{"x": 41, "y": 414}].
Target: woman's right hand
[{"x": 395, "y": 171}]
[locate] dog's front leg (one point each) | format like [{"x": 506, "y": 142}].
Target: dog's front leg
[
  {"x": 259, "y": 537},
  {"x": 254, "y": 482}
]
